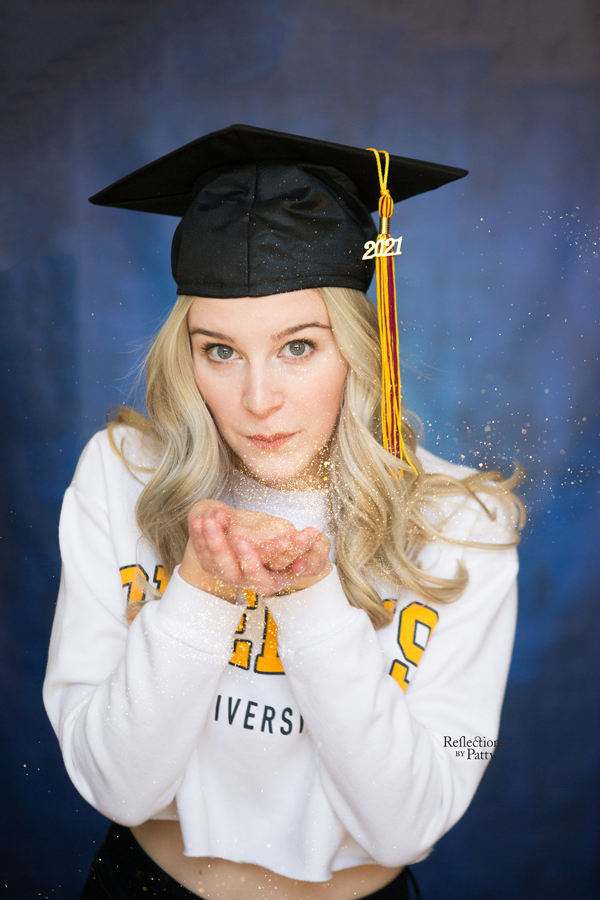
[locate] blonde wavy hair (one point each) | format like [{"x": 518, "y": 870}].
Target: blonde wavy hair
[{"x": 377, "y": 503}]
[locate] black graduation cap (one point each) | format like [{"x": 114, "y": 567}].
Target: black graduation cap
[{"x": 265, "y": 212}]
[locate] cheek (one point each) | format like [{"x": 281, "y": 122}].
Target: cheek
[
  {"x": 323, "y": 402},
  {"x": 217, "y": 396}
]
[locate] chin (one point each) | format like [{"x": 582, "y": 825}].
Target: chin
[
  {"x": 275, "y": 471},
  {"x": 273, "y": 475}
]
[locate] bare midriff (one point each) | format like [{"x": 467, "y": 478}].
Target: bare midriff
[{"x": 222, "y": 879}]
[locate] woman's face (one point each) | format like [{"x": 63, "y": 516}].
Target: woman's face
[{"x": 270, "y": 372}]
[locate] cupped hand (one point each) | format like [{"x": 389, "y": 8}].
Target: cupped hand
[{"x": 229, "y": 549}]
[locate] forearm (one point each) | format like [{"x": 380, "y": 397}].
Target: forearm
[
  {"x": 378, "y": 766},
  {"x": 127, "y": 741},
  {"x": 381, "y": 752}
]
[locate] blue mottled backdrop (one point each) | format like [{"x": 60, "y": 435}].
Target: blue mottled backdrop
[{"x": 499, "y": 301}]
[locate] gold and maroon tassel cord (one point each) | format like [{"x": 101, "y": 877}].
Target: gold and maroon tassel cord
[{"x": 384, "y": 250}]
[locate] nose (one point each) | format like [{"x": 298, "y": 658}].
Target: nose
[{"x": 262, "y": 395}]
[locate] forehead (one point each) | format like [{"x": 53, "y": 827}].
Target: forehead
[{"x": 269, "y": 314}]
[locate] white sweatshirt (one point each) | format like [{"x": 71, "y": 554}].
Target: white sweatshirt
[{"x": 288, "y": 745}]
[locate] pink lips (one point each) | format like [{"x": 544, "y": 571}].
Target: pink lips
[{"x": 269, "y": 441}]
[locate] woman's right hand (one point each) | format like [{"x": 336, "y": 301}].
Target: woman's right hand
[{"x": 231, "y": 549}]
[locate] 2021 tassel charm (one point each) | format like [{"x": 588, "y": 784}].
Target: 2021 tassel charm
[{"x": 383, "y": 250}]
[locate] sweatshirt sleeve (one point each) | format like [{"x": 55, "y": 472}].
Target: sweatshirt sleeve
[
  {"x": 387, "y": 759},
  {"x": 128, "y": 704}
]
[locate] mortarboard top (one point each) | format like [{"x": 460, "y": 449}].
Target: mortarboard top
[
  {"x": 165, "y": 185},
  {"x": 265, "y": 212}
]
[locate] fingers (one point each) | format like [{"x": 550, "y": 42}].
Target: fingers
[
  {"x": 315, "y": 560},
  {"x": 213, "y": 550},
  {"x": 310, "y": 565},
  {"x": 280, "y": 553},
  {"x": 258, "y": 528},
  {"x": 223, "y": 517},
  {"x": 232, "y": 561},
  {"x": 211, "y": 509},
  {"x": 257, "y": 578}
]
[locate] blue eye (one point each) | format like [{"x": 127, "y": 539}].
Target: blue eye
[
  {"x": 220, "y": 351},
  {"x": 297, "y": 348}
]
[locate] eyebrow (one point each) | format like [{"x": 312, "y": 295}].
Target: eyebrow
[{"x": 276, "y": 337}]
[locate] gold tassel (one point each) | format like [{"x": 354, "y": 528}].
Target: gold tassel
[{"x": 391, "y": 404}]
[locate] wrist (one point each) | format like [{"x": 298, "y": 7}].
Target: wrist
[{"x": 191, "y": 571}]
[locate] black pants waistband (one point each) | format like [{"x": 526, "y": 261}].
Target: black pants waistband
[{"x": 123, "y": 871}]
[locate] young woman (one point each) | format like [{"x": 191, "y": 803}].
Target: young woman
[{"x": 272, "y": 633}]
